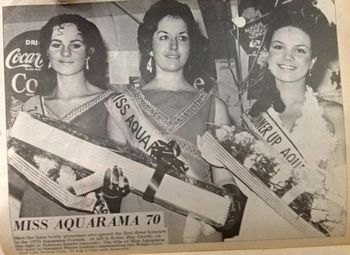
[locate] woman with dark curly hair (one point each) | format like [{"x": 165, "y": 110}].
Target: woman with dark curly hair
[
  {"x": 168, "y": 107},
  {"x": 95, "y": 50},
  {"x": 73, "y": 90},
  {"x": 74, "y": 73},
  {"x": 295, "y": 41}
]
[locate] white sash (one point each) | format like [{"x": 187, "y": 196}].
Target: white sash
[
  {"x": 219, "y": 155},
  {"x": 268, "y": 131},
  {"x": 140, "y": 132}
]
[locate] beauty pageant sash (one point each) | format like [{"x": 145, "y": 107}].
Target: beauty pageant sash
[{"x": 287, "y": 153}]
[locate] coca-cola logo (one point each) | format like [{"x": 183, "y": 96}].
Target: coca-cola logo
[
  {"x": 23, "y": 65},
  {"x": 27, "y": 60}
]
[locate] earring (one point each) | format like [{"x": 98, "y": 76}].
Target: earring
[
  {"x": 308, "y": 77},
  {"x": 87, "y": 64},
  {"x": 149, "y": 67},
  {"x": 49, "y": 65}
]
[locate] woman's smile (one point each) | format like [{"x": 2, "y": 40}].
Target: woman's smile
[
  {"x": 66, "y": 62},
  {"x": 67, "y": 50},
  {"x": 173, "y": 56},
  {"x": 287, "y": 67},
  {"x": 171, "y": 44},
  {"x": 290, "y": 57}
]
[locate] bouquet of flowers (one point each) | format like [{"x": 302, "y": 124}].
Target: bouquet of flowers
[
  {"x": 255, "y": 156},
  {"x": 310, "y": 203}
]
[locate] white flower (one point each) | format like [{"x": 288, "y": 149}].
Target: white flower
[
  {"x": 67, "y": 176},
  {"x": 45, "y": 164},
  {"x": 281, "y": 176},
  {"x": 313, "y": 180},
  {"x": 319, "y": 210},
  {"x": 330, "y": 214},
  {"x": 326, "y": 210},
  {"x": 221, "y": 134},
  {"x": 244, "y": 138},
  {"x": 262, "y": 148},
  {"x": 230, "y": 129},
  {"x": 262, "y": 58},
  {"x": 249, "y": 161},
  {"x": 224, "y": 132}
]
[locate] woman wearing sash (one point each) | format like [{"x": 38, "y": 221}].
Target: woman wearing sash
[
  {"x": 73, "y": 90},
  {"x": 314, "y": 126},
  {"x": 169, "y": 108}
]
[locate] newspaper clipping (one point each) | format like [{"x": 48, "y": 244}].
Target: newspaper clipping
[{"x": 156, "y": 125}]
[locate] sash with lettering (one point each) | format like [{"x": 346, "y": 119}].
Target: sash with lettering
[
  {"x": 141, "y": 133},
  {"x": 267, "y": 130},
  {"x": 290, "y": 160}
]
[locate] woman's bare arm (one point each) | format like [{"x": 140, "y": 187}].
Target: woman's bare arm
[
  {"x": 334, "y": 115},
  {"x": 221, "y": 176}
]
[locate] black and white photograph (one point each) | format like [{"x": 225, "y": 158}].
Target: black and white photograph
[{"x": 153, "y": 123}]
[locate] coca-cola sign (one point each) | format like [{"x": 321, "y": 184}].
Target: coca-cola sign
[
  {"x": 23, "y": 65},
  {"x": 29, "y": 61}
]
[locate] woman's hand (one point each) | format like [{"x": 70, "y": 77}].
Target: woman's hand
[
  {"x": 233, "y": 222},
  {"x": 115, "y": 187},
  {"x": 115, "y": 184}
]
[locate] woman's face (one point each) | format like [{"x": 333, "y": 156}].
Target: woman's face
[
  {"x": 67, "y": 51},
  {"x": 171, "y": 44},
  {"x": 290, "y": 54}
]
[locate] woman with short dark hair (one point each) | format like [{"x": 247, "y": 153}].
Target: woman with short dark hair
[{"x": 169, "y": 108}]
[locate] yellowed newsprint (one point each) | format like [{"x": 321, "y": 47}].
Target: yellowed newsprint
[{"x": 159, "y": 126}]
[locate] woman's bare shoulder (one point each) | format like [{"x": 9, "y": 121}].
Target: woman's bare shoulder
[
  {"x": 221, "y": 112},
  {"x": 334, "y": 114},
  {"x": 332, "y": 110}
]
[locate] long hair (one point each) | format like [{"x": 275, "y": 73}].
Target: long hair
[
  {"x": 199, "y": 53},
  {"x": 92, "y": 38},
  {"x": 301, "y": 14}
]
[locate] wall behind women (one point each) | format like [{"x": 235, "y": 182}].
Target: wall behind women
[{"x": 117, "y": 28}]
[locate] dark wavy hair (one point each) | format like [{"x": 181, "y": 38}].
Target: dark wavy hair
[
  {"x": 301, "y": 14},
  {"x": 92, "y": 38},
  {"x": 199, "y": 53}
]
